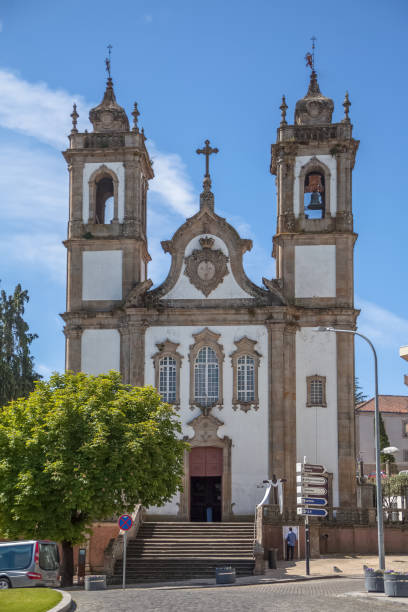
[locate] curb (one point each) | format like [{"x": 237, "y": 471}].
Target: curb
[{"x": 64, "y": 605}]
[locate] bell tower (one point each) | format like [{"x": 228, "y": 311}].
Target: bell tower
[
  {"x": 109, "y": 169},
  {"x": 313, "y": 160}
]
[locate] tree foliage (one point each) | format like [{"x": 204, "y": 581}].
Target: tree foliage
[
  {"x": 359, "y": 395},
  {"x": 83, "y": 448},
  {"x": 17, "y": 373},
  {"x": 384, "y": 442}
]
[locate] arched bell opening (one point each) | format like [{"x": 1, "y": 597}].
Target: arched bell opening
[
  {"x": 104, "y": 204},
  {"x": 314, "y": 195}
]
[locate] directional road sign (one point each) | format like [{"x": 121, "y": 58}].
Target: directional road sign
[
  {"x": 311, "y": 480},
  {"x": 125, "y": 522},
  {"x": 312, "y": 501},
  {"x": 309, "y": 468},
  {"x": 312, "y": 511},
  {"x": 303, "y": 490}
]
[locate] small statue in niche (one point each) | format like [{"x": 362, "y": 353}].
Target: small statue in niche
[{"x": 314, "y": 184}]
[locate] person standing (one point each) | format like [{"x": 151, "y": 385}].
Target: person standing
[{"x": 291, "y": 540}]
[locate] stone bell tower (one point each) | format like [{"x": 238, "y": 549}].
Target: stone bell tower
[
  {"x": 107, "y": 246},
  {"x": 313, "y": 160}
]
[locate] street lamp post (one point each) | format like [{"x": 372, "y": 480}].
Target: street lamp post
[{"x": 380, "y": 519}]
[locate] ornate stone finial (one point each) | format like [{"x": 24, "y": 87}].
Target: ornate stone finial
[
  {"x": 346, "y": 104},
  {"x": 108, "y": 62},
  {"x": 135, "y": 115},
  {"x": 283, "y": 108},
  {"x": 207, "y": 242},
  {"x": 206, "y": 196},
  {"x": 74, "y": 116}
]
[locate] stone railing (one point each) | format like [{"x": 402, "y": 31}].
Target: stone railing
[{"x": 114, "y": 550}]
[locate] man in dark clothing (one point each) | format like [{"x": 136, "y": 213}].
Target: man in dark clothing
[{"x": 290, "y": 544}]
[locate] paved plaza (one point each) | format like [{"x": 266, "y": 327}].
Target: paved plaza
[{"x": 334, "y": 594}]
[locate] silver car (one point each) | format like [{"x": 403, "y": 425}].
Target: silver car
[{"x": 28, "y": 563}]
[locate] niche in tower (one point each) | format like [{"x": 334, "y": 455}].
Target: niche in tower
[
  {"x": 314, "y": 195},
  {"x": 104, "y": 200}
]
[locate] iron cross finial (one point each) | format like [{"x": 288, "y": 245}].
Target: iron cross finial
[
  {"x": 207, "y": 151},
  {"x": 108, "y": 61},
  {"x": 310, "y": 57}
]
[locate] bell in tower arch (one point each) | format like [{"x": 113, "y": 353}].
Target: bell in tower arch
[{"x": 314, "y": 184}]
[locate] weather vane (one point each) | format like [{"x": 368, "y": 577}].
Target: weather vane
[
  {"x": 310, "y": 57},
  {"x": 108, "y": 61}
]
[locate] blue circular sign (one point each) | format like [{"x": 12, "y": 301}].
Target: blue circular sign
[{"x": 125, "y": 522}]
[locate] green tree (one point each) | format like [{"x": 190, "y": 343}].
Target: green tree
[
  {"x": 384, "y": 442},
  {"x": 359, "y": 395},
  {"x": 82, "y": 448},
  {"x": 17, "y": 373}
]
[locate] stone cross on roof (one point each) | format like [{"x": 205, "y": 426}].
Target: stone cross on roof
[{"x": 207, "y": 151}]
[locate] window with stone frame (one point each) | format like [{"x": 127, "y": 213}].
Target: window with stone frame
[
  {"x": 245, "y": 364},
  {"x": 103, "y": 196},
  {"x": 167, "y": 364},
  {"x": 314, "y": 190},
  {"x": 316, "y": 391},
  {"x": 405, "y": 429},
  {"x": 206, "y": 361}
]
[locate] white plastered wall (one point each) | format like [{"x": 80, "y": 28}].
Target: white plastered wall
[
  {"x": 315, "y": 271},
  {"x": 116, "y": 167},
  {"x": 248, "y": 431},
  {"x": 329, "y": 161},
  {"x": 100, "y": 351},
  {"x": 316, "y": 427},
  {"x": 102, "y": 275},
  {"x": 228, "y": 289}
]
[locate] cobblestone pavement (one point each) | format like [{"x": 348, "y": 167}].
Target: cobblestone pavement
[{"x": 330, "y": 595}]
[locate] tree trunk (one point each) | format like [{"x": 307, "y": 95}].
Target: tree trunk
[{"x": 67, "y": 565}]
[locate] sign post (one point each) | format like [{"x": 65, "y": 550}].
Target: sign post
[
  {"x": 312, "y": 490},
  {"x": 125, "y": 523}
]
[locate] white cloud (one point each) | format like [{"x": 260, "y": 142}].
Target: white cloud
[
  {"x": 172, "y": 183},
  {"x": 42, "y": 250},
  {"x": 37, "y": 110},
  {"x": 33, "y": 184},
  {"x": 383, "y": 327}
]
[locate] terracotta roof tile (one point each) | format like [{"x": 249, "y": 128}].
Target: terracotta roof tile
[{"x": 387, "y": 403}]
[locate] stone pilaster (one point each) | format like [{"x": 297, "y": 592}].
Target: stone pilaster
[
  {"x": 276, "y": 399},
  {"x": 137, "y": 352},
  {"x": 345, "y": 419},
  {"x": 73, "y": 337},
  {"x": 289, "y": 413}
]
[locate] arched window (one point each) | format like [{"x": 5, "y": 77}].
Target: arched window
[
  {"x": 104, "y": 194},
  {"x": 206, "y": 377},
  {"x": 167, "y": 364},
  {"x": 245, "y": 362},
  {"x": 314, "y": 195},
  {"x": 246, "y": 378},
  {"x": 168, "y": 379}
]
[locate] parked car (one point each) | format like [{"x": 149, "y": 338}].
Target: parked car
[{"x": 28, "y": 563}]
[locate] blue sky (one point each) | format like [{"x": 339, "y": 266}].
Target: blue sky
[{"x": 216, "y": 70}]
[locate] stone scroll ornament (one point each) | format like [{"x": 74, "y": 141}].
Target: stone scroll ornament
[{"x": 206, "y": 268}]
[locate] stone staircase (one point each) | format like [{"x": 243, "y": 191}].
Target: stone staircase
[{"x": 182, "y": 551}]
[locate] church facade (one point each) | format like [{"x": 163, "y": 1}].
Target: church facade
[{"x": 256, "y": 387}]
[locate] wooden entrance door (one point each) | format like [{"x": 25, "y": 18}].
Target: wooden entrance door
[{"x": 205, "y": 483}]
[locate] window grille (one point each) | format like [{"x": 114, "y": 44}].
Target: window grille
[
  {"x": 206, "y": 377},
  {"x": 246, "y": 378},
  {"x": 168, "y": 379},
  {"x": 405, "y": 429},
  {"x": 405, "y": 455},
  {"x": 316, "y": 391}
]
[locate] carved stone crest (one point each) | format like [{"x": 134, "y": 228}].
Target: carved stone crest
[{"x": 206, "y": 268}]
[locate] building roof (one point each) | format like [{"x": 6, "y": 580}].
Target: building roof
[{"x": 387, "y": 403}]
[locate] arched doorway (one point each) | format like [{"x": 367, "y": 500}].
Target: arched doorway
[{"x": 206, "y": 464}]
